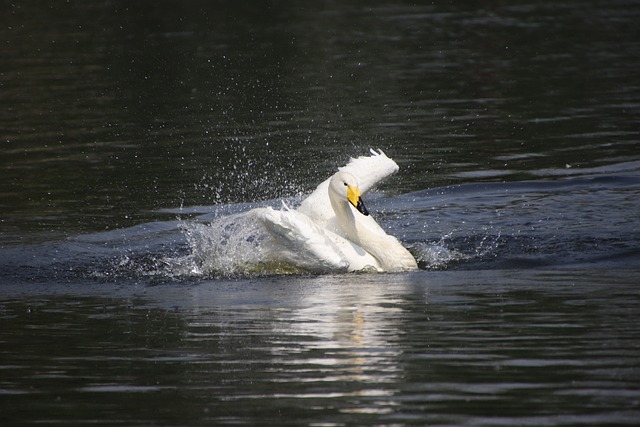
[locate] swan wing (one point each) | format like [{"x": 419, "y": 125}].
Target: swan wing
[
  {"x": 298, "y": 241},
  {"x": 370, "y": 170}
]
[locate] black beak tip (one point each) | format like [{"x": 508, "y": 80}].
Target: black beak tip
[{"x": 362, "y": 209}]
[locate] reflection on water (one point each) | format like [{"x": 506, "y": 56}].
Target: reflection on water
[
  {"x": 439, "y": 348},
  {"x": 354, "y": 328}
]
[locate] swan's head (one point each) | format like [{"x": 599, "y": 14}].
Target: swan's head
[{"x": 345, "y": 186}]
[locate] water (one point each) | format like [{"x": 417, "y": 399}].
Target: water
[
  {"x": 124, "y": 126},
  {"x": 442, "y": 348}
]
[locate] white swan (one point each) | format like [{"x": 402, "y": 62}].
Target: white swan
[{"x": 332, "y": 230}]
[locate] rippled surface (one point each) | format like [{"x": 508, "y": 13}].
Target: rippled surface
[
  {"x": 444, "y": 348},
  {"x": 516, "y": 130}
]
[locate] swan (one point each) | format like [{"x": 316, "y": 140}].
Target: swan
[{"x": 332, "y": 229}]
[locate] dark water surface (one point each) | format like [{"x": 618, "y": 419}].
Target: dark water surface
[
  {"x": 445, "y": 348},
  {"x": 516, "y": 128}
]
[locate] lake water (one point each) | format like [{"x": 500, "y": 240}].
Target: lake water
[{"x": 517, "y": 131}]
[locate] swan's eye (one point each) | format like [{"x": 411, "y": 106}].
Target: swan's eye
[{"x": 345, "y": 184}]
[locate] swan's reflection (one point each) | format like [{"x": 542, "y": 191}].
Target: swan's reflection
[
  {"x": 344, "y": 329},
  {"x": 334, "y": 342}
]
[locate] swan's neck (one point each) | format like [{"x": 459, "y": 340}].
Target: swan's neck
[
  {"x": 347, "y": 221},
  {"x": 344, "y": 216}
]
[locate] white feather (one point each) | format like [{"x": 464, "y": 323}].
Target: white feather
[{"x": 370, "y": 170}]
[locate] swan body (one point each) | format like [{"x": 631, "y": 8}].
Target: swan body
[{"x": 332, "y": 230}]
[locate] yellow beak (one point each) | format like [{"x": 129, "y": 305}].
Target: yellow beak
[{"x": 353, "y": 194}]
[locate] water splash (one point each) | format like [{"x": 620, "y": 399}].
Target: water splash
[
  {"x": 435, "y": 256},
  {"x": 451, "y": 249},
  {"x": 229, "y": 246}
]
